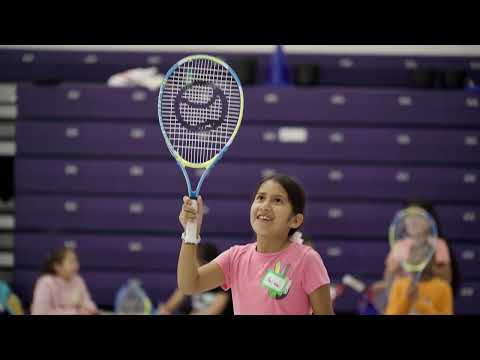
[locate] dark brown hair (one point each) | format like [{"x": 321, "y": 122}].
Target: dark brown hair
[{"x": 56, "y": 257}]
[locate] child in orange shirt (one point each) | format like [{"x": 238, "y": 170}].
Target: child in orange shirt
[{"x": 432, "y": 295}]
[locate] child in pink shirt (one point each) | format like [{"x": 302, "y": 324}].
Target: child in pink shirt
[
  {"x": 60, "y": 290},
  {"x": 275, "y": 275}
]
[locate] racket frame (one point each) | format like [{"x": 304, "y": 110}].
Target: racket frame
[
  {"x": 207, "y": 165},
  {"x": 415, "y": 269}
]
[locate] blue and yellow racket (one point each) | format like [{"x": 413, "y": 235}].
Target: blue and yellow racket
[
  {"x": 416, "y": 225},
  {"x": 200, "y": 109},
  {"x": 132, "y": 299}
]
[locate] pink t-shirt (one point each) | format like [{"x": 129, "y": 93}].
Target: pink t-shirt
[
  {"x": 401, "y": 250},
  {"x": 55, "y": 296},
  {"x": 272, "y": 283}
]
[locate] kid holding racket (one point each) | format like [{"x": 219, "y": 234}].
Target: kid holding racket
[
  {"x": 274, "y": 275},
  {"x": 432, "y": 295},
  {"x": 442, "y": 264}
]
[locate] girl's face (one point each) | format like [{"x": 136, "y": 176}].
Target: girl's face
[
  {"x": 271, "y": 213},
  {"x": 69, "y": 267},
  {"x": 417, "y": 226}
]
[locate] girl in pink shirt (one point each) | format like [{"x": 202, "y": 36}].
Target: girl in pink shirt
[
  {"x": 60, "y": 290},
  {"x": 276, "y": 274}
]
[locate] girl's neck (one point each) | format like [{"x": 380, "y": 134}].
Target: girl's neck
[
  {"x": 65, "y": 279},
  {"x": 271, "y": 244}
]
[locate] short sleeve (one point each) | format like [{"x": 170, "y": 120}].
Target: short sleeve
[
  {"x": 442, "y": 255},
  {"x": 390, "y": 259},
  {"x": 315, "y": 274},
  {"x": 224, "y": 260}
]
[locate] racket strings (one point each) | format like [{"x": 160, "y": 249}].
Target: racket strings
[
  {"x": 200, "y": 146},
  {"x": 423, "y": 243},
  {"x": 424, "y": 253}
]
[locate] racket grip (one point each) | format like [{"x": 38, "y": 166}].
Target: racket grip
[
  {"x": 354, "y": 283},
  {"x": 191, "y": 229},
  {"x": 416, "y": 278}
]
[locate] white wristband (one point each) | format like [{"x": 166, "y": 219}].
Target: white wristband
[{"x": 196, "y": 242}]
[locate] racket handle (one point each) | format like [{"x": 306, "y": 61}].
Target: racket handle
[
  {"x": 191, "y": 229},
  {"x": 416, "y": 278},
  {"x": 354, "y": 283}
]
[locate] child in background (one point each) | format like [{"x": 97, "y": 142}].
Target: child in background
[
  {"x": 443, "y": 263},
  {"x": 214, "y": 302},
  {"x": 60, "y": 290},
  {"x": 418, "y": 230},
  {"x": 447, "y": 269},
  {"x": 273, "y": 275},
  {"x": 432, "y": 295}
]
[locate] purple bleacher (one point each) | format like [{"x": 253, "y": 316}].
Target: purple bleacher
[
  {"x": 360, "y": 106},
  {"x": 374, "y": 70},
  {"x": 84, "y": 66},
  {"x": 90, "y": 139},
  {"x": 163, "y": 177},
  {"x": 468, "y": 298},
  {"x": 342, "y": 144},
  {"x": 74, "y": 212},
  {"x": 296, "y": 105},
  {"x": 349, "y": 219},
  {"x": 259, "y": 143},
  {"x": 107, "y": 252},
  {"x": 461, "y": 222},
  {"x": 339, "y": 69},
  {"x": 101, "y": 251},
  {"x": 123, "y": 214},
  {"x": 86, "y": 101},
  {"x": 359, "y": 258},
  {"x": 468, "y": 258},
  {"x": 104, "y": 177},
  {"x": 69, "y": 212}
]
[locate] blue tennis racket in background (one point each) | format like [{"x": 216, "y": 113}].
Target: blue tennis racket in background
[
  {"x": 132, "y": 299},
  {"x": 200, "y": 109},
  {"x": 412, "y": 227},
  {"x": 416, "y": 226}
]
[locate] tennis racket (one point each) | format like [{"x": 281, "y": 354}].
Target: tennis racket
[
  {"x": 416, "y": 227},
  {"x": 200, "y": 109},
  {"x": 131, "y": 299}
]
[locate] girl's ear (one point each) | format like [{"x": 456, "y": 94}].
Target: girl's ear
[{"x": 296, "y": 221}]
